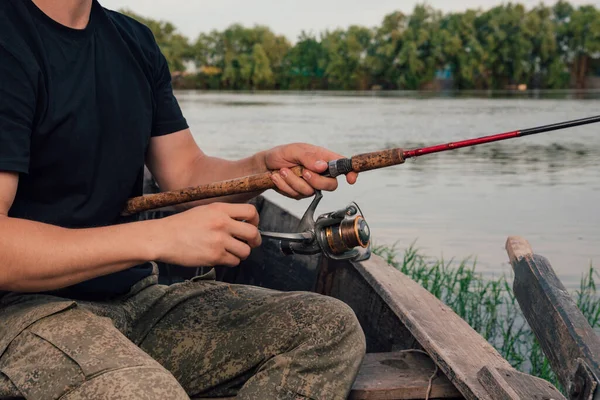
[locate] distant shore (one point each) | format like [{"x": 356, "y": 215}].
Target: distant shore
[{"x": 575, "y": 94}]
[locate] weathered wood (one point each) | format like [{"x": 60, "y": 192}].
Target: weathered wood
[
  {"x": 383, "y": 329},
  {"x": 518, "y": 248},
  {"x": 400, "y": 375},
  {"x": 569, "y": 342},
  {"x": 504, "y": 384},
  {"x": 457, "y": 349}
]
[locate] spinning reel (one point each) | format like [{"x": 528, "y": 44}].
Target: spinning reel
[{"x": 340, "y": 235}]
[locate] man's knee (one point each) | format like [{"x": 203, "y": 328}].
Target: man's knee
[
  {"x": 77, "y": 355},
  {"x": 329, "y": 319},
  {"x": 323, "y": 355}
]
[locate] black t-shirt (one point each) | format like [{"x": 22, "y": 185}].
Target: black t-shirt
[{"x": 77, "y": 111}]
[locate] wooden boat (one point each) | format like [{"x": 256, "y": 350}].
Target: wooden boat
[{"x": 417, "y": 347}]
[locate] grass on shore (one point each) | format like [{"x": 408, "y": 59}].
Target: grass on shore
[{"x": 489, "y": 305}]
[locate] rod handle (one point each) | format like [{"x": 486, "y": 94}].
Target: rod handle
[
  {"x": 259, "y": 182},
  {"x": 246, "y": 184},
  {"x": 365, "y": 162}
]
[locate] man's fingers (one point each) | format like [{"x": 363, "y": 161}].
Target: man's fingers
[
  {"x": 351, "y": 178},
  {"x": 317, "y": 161},
  {"x": 239, "y": 249},
  {"x": 229, "y": 260},
  {"x": 246, "y": 232},
  {"x": 296, "y": 183},
  {"x": 283, "y": 186},
  {"x": 242, "y": 212},
  {"x": 320, "y": 182},
  {"x": 314, "y": 161}
]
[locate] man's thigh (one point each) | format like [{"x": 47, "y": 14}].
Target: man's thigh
[
  {"x": 74, "y": 354},
  {"x": 217, "y": 340}
]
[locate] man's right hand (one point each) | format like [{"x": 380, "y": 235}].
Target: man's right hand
[
  {"x": 36, "y": 257},
  {"x": 211, "y": 235}
]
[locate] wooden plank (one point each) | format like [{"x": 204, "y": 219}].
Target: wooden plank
[
  {"x": 383, "y": 330},
  {"x": 568, "y": 341},
  {"x": 456, "y": 348},
  {"x": 400, "y": 375},
  {"x": 505, "y": 384}
]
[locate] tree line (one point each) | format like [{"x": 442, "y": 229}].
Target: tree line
[{"x": 546, "y": 47}]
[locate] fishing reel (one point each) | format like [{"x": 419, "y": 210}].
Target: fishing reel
[{"x": 340, "y": 235}]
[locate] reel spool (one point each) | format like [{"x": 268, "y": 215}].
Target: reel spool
[{"x": 340, "y": 235}]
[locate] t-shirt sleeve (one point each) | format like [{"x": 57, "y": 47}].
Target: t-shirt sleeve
[
  {"x": 17, "y": 109},
  {"x": 168, "y": 117}
]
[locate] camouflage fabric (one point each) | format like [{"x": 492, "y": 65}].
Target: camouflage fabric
[{"x": 200, "y": 338}]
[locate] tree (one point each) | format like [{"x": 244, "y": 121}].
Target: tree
[
  {"x": 262, "y": 76},
  {"x": 420, "y": 55},
  {"x": 545, "y": 62},
  {"x": 387, "y": 42},
  {"x": 305, "y": 64},
  {"x": 578, "y": 37},
  {"x": 544, "y": 47},
  {"x": 347, "y": 54},
  {"x": 173, "y": 45},
  {"x": 462, "y": 50}
]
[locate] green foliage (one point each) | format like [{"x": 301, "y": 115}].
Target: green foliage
[
  {"x": 508, "y": 45},
  {"x": 346, "y": 62},
  {"x": 261, "y": 67},
  {"x": 489, "y": 305},
  {"x": 306, "y": 63},
  {"x": 173, "y": 45}
]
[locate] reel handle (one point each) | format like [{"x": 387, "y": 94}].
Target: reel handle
[
  {"x": 339, "y": 235},
  {"x": 290, "y": 237}
]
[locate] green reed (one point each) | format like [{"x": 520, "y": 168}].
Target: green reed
[{"x": 489, "y": 305}]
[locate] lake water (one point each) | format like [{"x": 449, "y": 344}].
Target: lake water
[{"x": 457, "y": 204}]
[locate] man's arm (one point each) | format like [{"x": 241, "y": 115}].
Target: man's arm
[
  {"x": 177, "y": 162},
  {"x": 40, "y": 257}
]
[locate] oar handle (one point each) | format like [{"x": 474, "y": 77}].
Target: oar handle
[{"x": 259, "y": 182}]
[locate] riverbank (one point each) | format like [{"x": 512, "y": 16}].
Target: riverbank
[
  {"x": 558, "y": 94},
  {"x": 488, "y": 305}
]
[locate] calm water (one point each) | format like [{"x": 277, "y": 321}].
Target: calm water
[{"x": 457, "y": 204}]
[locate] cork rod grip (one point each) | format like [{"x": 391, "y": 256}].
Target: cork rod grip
[
  {"x": 247, "y": 184},
  {"x": 366, "y": 162},
  {"x": 259, "y": 182}
]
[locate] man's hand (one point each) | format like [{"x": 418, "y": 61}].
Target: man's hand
[
  {"x": 314, "y": 159},
  {"x": 210, "y": 235}
]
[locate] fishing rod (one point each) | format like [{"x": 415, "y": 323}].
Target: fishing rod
[{"x": 342, "y": 234}]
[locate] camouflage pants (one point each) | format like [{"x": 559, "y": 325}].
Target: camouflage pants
[{"x": 196, "y": 339}]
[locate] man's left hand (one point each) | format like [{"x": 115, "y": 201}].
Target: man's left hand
[{"x": 313, "y": 158}]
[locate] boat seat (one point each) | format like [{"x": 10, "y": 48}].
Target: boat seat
[
  {"x": 401, "y": 375},
  {"x": 398, "y": 376}
]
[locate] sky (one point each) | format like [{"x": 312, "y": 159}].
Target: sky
[{"x": 289, "y": 17}]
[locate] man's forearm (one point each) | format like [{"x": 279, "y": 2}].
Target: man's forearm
[
  {"x": 207, "y": 169},
  {"x": 41, "y": 257}
]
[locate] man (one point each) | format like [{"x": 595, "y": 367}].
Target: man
[{"x": 85, "y": 102}]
